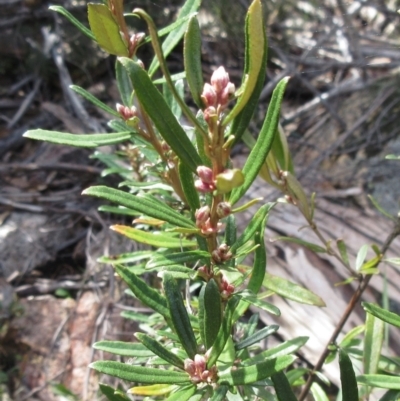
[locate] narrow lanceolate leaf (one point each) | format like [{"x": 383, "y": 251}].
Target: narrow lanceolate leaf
[
  {"x": 263, "y": 145},
  {"x": 123, "y": 348},
  {"x": 140, "y": 374},
  {"x": 179, "y": 316},
  {"x": 152, "y": 390},
  {"x": 106, "y": 30},
  {"x": 343, "y": 251},
  {"x": 80, "y": 141},
  {"x": 309, "y": 245},
  {"x": 148, "y": 205},
  {"x": 224, "y": 332},
  {"x": 158, "y": 349},
  {"x": 318, "y": 393},
  {"x": 257, "y": 337},
  {"x": 260, "y": 259},
  {"x": 112, "y": 394},
  {"x": 183, "y": 394},
  {"x": 287, "y": 347},
  {"x": 187, "y": 182},
  {"x": 157, "y": 239},
  {"x": 124, "y": 84},
  {"x": 361, "y": 255},
  {"x": 158, "y": 260},
  {"x": 381, "y": 381},
  {"x": 253, "y": 226},
  {"x": 93, "y": 99},
  {"x": 268, "y": 307},
  {"x": 292, "y": 291},
  {"x": 282, "y": 387},
  {"x": 210, "y": 310},
  {"x": 347, "y": 378},
  {"x": 147, "y": 295},
  {"x": 192, "y": 59},
  {"x": 260, "y": 371},
  {"x": 383, "y": 314},
  {"x": 73, "y": 20},
  {"x": 219, "y": 393},
  {"x": 255, "y": 56},
  {"x": 174, "y": 37},
  {"x": 374, "y": 331},
  {"x": 162, "y": 117}
]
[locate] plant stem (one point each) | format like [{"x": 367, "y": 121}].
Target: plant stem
[{"x": 349, "y": 309}]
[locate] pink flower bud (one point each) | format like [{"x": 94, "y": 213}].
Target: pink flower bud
[
  {"x": 209, "y": 96},
  {"x": 202, "y": 215},
  {"x": 205, "y": 174},
  {"x": 125, "y": 112},
  {"x": 190, "y": 367},
  {"x": 200, "y": 363},
  {"x": 223, "y": 209},
  {"x": 219, "y": 79},
  {"x": 203, "y": 187}
]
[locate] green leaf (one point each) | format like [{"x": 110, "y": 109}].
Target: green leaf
[
  {"x": 61, "y": 10},
  {"x": 93, "y": 99},
  {"x": 257, "y": 337},
  {"x": 287, "y": 347},
  {"x": 187, "y": 182},
  {"x": 374, "y": 330},
  {"x": 80, "y": 141},
  {"x": 219, "y": 393},
  {"x": 343, "y": 251},
  {"x": 123, "y": 348},
  {"x": 224, "y": 331},
  {"x": 192, "y": 60},
  {"x": 158, "y": 260},
  {"x": 282, "y": 387},
  {"x": 350, "y": 336},
  {"x": 309, "y": 245},
  {"x": 252, "y": 299},
  {"x": 347, "y": 378},
  {"x": 156, "y": 239},
  {"x": 124, "y": 84},
  {"x": 263, "y": 145},
  {"x": 112, "y": 394},
  {"x": 255, "y": 56},
  {"x": 179, "y": 316},
  {"x": 318, "y": 393},
  {"x": 292, "y": 291},
  {"x": 254, "y": 373},
  {"x": 176, "y": 35},
  {"x": 130, "y": 257},
  {"x": 147, "y": 205},
  {"x": 152, "y": 390},
  {"x": 210, "y": 312},
  {"x": 253, "y": 226},
  {"x": 260, "y": 259},
  {"x": 381, "y": 381},
  {"x": 361, "y": 255},
  {"x": 380, "y": 208},
  {"x": 159, "y": 112},
  {"x": 140, "y": 374},
  {"x": 106, "y": 30},
  {"x": 147, "y": 295},
  {"x": 158, "y": 349},
  {"x": 183, "y": 394},
  {"x": 383, "y": 314}
]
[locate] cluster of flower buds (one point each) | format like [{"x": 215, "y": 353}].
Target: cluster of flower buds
[
  {"x": 134, "y": 42},
  {"x": 205, "y": 272},
  {"x": 126, "y": 112},
  {"x": 206, "y": 182},
  {"x": 217, "y": 94},
  {"x": 221, "y": 254},
  {"x": 198, "y": 372},
  {"x": 203, "y": 221},
  {"x": 225, "y": 288}
]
